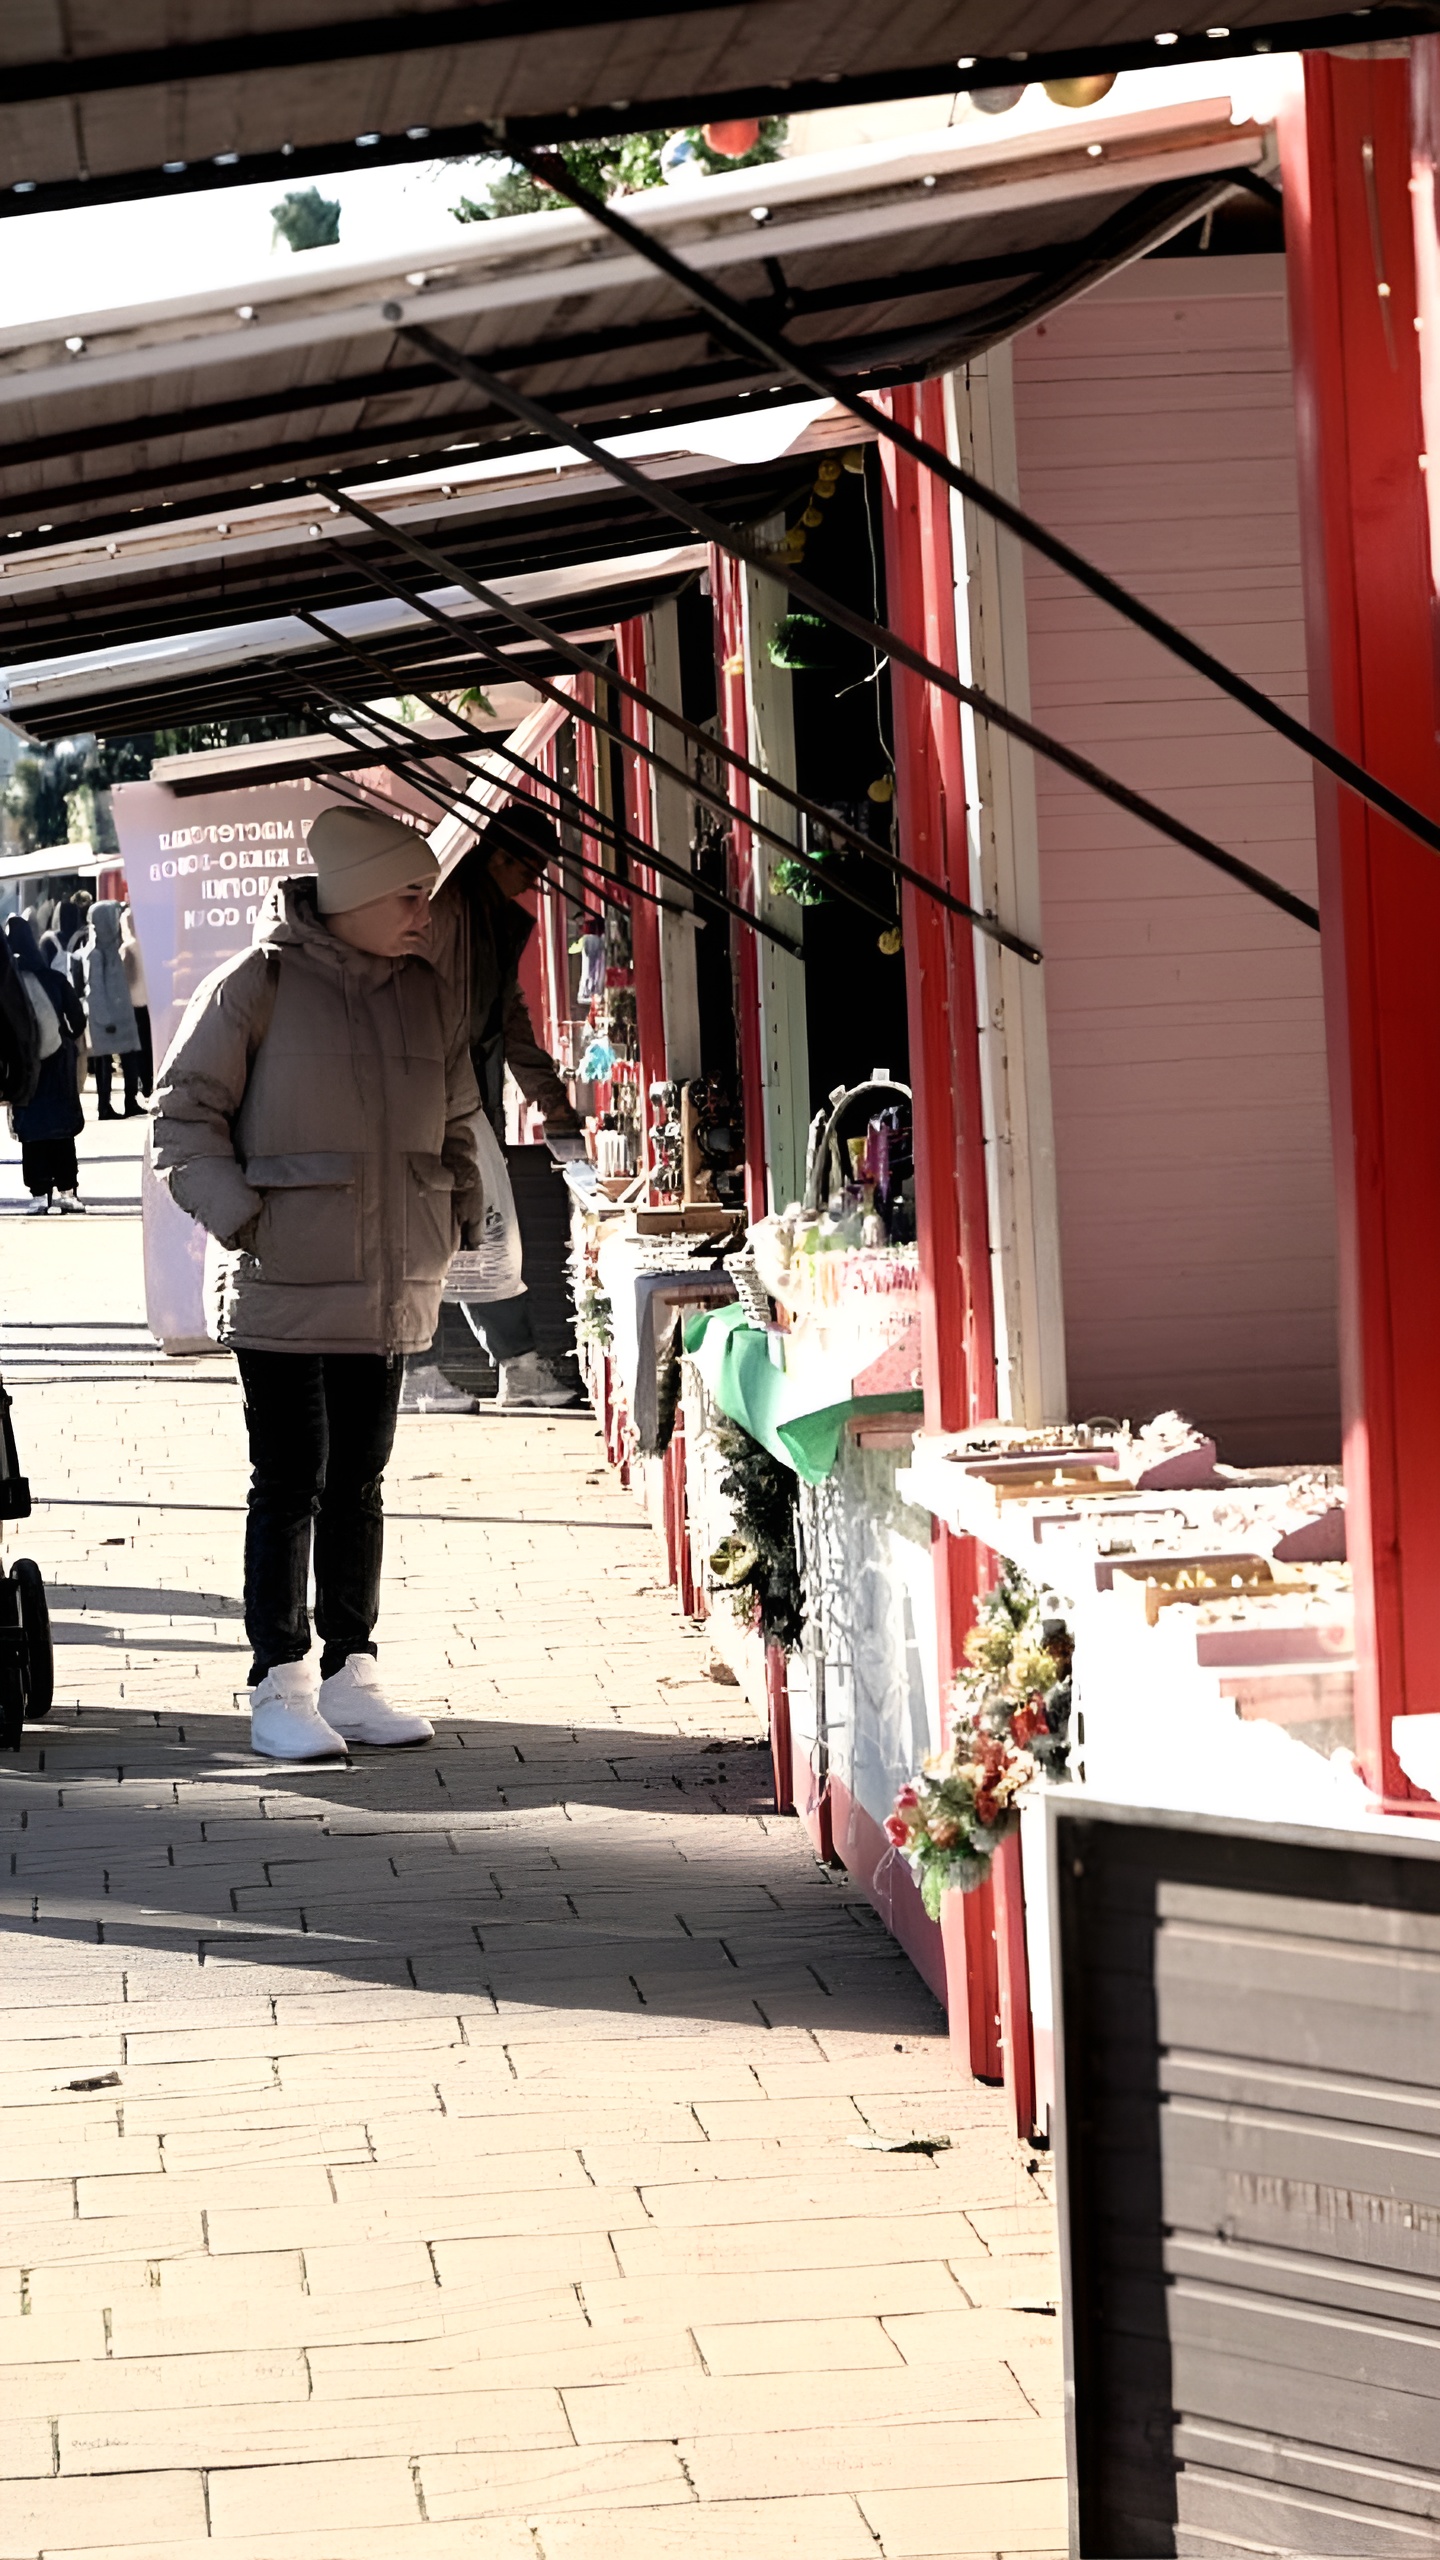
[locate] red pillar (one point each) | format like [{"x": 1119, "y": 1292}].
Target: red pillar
[
  {"x": 956, "y": 1310},
  {"x": 1346, "y": 145},
  {"x": 644, "y": 918},
  {"x": 553, "y": 936},
  {"x": 727, "y": 588}
]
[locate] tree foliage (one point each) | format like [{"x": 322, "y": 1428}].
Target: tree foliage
[
  {"x": 619, "y": 164},
  {"x": 60, "y": 793},
  {"x": 307, "y": 219}
]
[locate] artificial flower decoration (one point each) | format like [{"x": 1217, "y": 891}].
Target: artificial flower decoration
[{"x": 1011, "y": 1713}]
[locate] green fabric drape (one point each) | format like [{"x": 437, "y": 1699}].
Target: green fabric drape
[{"x": 733, "y": 1358}]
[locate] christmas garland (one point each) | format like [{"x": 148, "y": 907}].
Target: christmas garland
[
  {"x": 757, "y": 1563},
  {"x": 1011, "y": 1717}
]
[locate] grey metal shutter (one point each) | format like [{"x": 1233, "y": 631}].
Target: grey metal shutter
[{"x": 1249, "y": 2150}]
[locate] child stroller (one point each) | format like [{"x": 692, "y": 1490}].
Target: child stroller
[{"x": 27, "y": 1663}]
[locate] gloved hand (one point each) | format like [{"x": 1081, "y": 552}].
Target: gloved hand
[{"x": 566, "y": 1149}]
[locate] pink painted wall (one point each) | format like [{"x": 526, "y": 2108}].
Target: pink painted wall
[{"x": 1156, "y": 432}]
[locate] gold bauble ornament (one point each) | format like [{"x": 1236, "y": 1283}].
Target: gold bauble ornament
[
  {"x": 812, "y": 516},
  {"x": 891, "y": 941},
  {"x": 853, "y": 458},
  {"x": 1086, "y": 90},
  {"x": 884, "y": 789}
]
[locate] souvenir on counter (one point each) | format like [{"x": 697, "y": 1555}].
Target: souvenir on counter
[
  {"x": 714, "y": 1142},
  {"x": 667, "y": 1144},
  {"x": 845, "y": 1259}
]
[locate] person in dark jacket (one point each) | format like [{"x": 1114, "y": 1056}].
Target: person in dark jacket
[
  {"x": 48, "y": 1125},
  {"x": 508, "y": 859},
  {"x": 19, "y": 1035},
  {"x": 69, "y": 920}
]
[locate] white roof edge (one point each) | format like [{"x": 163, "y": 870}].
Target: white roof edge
[
  {"x": 688, "y": 211},
  {"x": 46, "y": 681}
]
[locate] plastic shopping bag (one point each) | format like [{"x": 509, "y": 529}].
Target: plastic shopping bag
[{"x": 484, "y": 1273}]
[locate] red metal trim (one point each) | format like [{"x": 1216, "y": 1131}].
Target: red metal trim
[
  {"x": 679, "y": 1495},
  {"x": 1012, "y": 1969},
  {"x": 1347, "y": 168},
  {"x": 782, "y": 1758},
  {"x": 957, "y": 1321},
  {"x": 726, "y": 586},
  {"x": 972, "y": 1985},
  {"x": 957, "y": 1334},
  {"x": 881, "y": 1873},
  {"x": 644, "y": 919},
  {"x": 553, "y": 924}
]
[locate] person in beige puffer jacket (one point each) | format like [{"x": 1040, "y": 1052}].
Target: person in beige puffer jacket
[{"x": 314, "y": 1115}]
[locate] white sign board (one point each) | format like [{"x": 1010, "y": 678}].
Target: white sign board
[{"x": 199, "y": 870}]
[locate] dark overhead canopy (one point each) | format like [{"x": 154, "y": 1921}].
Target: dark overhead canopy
[
  {"x": 113, "y": 98},
  {"x": 885, "y": 264},
  {"x": 242, "y": 647}
]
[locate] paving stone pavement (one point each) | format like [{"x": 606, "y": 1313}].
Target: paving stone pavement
[{"x": 474, "y": 2149}]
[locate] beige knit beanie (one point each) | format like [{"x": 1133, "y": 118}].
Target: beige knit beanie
[{"x": 359, "y": 854}]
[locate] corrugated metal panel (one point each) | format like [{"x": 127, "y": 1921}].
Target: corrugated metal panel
[
  {"x": 1249, "y": 2149},
  {"x": 100, "y": 98},
  {"x": 1155, "y": 431}
]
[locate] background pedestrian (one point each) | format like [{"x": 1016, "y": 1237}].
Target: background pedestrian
[
  {"x": 48, "y": 1125},
  {"x": 113, "y": 1030}
]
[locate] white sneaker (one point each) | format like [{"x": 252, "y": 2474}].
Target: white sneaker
[
  {"x": 353, "y": 1702},
  {"x": 285, "y": 1722},
  {"x": 70, "y": 1204},
  {"x": 533, "y": 1381},
  {"x": 426, "y": 1389}
]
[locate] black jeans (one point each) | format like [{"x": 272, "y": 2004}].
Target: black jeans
[
  {"x": 130, "y": 1072},
  {"x": 321, "y": 1426}
]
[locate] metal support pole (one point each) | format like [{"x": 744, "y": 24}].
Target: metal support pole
[
  {"x": 877, "y": 636},
  {"x": 595, "y": 719},
  {"x": 454, "y": 575},
  {"x": 778, "y": 351},
  {"x": 589, "y": 816}
]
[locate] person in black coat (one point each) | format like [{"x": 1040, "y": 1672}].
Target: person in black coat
[{"x": 48, "y": 1125}]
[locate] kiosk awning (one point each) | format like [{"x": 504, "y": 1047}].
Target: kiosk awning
[
  {"x": 154, "y": 463},
  {"x": 105, "y": 102},
  {"x": 892, "y": 261}
]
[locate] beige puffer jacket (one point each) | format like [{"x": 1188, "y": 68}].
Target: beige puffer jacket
[{"x": 314, "y": 1115}]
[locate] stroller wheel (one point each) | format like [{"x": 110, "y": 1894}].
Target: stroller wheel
[
  {"x": 14, "y": 1667},
  {"x": 34, "y": 1613}
]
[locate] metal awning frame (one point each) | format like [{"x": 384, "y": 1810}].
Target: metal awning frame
[
  {"x": 593, "y": 881},
  {"x": 884, "y": 642},
  {"x": 712, "y": 297},
  {"x": 400, "y": 756},
  {"x": 605, "y": 676},
  {"x": 717, "y": 388},
  {"x": 1120, "y": 184},
  {"x": 584, "y": 664}
]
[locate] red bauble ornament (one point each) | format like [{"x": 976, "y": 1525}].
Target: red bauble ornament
[{"x": 734, "y": 139}]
